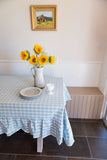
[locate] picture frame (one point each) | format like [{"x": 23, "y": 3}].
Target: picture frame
[{"x": 44, "y": 17}]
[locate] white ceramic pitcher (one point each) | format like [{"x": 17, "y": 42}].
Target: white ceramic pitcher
[{"x": 38, "y": 77}]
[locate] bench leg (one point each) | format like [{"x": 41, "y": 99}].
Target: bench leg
[{"x": 39, "y": 144}]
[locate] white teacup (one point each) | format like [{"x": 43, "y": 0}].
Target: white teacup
[{"x": 49, "y": 88}]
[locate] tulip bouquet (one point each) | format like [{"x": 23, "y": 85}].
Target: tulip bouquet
[{"x": 39, "y": 59}]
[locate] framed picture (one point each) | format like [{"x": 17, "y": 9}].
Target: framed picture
[{"x": 44, "y": 17}]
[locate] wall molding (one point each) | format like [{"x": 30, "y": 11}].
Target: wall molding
[
  {"x": 79, "y": 73},
  {"x": 65, "y": 62},
  {"x": 11, "y": 61}
]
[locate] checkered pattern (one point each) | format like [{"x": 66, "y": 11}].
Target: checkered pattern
[{"x": 41, "y": 116}]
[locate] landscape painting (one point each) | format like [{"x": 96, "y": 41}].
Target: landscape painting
[{"x": 44, "y": 18}]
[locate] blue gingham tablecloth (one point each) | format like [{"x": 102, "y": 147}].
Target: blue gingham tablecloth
[{"x": 41, "y": 116}]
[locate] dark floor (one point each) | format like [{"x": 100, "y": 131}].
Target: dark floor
[{"x": 90, "y": 144}]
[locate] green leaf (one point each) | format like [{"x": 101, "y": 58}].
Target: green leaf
[
  {"x": 28, "y": 54},
  {"x": 49, "y": 59}
]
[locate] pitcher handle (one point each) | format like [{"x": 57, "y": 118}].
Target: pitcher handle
[{"x": 32, "y": 71}]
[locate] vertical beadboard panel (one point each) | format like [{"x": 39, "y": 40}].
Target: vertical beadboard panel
[
  {"x": 68, "y": 108},
  {"x": 73, "y": 106},
  {"x": 90, "y": 116},
  {"x": 80, "y": 106},
  {"x": 96, "y": 104},
  {"x": 85, "y": 106},
  {"x": 76, "y": 106},
  {"x": 99, "y": 107}
]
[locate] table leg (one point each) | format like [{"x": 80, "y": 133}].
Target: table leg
[{"x": 39, "y": 144}]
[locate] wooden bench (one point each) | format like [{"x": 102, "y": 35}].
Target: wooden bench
[{"x": 86, "y": 102}]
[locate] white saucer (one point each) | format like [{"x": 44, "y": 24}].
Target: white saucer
[
  {"x": 49, "y": 93},
  {"x": 30, "y": 92}
]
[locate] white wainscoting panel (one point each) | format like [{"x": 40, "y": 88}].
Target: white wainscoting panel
[{"x": 74, "y": 73}]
